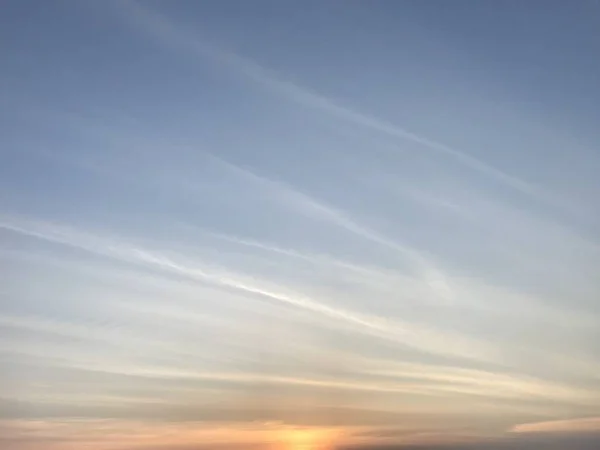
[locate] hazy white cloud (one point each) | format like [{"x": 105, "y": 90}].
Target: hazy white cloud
[
  {"x": 559, "y": 426},
  {"x": 413, "y": 335}
]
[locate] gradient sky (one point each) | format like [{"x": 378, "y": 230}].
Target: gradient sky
[{"x": 298, "y": 225}]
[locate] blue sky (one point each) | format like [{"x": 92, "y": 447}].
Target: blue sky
[{"x": 328, "y": 222}]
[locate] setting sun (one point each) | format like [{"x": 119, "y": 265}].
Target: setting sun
[{"x": 303, "y": 439}]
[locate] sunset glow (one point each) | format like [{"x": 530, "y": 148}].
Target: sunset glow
[{"x": 300, "y": 439}]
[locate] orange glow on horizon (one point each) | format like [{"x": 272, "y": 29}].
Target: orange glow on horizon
[{"x": 306, "y": 439}]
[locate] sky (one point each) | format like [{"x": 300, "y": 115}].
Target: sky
[{"x": 311, "y": 225}]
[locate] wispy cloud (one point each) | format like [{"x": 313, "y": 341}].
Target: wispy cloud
[
  {"x": 559, "y": 426},
  {"x": 313, "y": 207},
  {"x": 173, "y": 35},
  {"x": 415, "y": 336},
  {"x": 365, "y": 375}
]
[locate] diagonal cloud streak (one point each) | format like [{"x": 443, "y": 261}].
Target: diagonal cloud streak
[
  {"x": 436, "y": 278},
  {"x": 424, "y": 339},
  {"x": 162, "y": 28},
  {"x": 559, "y": 426}
]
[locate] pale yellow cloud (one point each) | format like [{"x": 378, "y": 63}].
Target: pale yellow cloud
[{"x": 559, "y": 426}]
